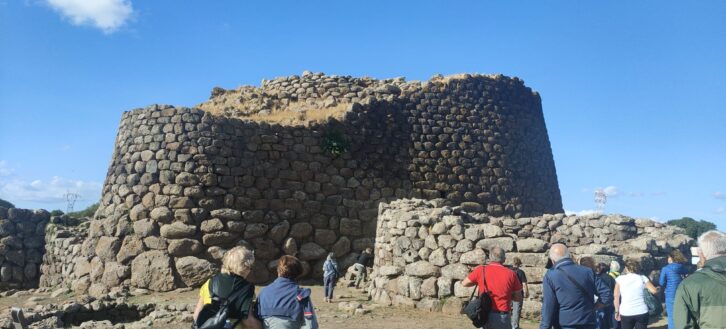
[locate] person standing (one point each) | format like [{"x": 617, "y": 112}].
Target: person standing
[
  {"x": 614, "y": 273},
  {"x": 517, "y": 305},
  {"x": 631, "y": 310},
  {"x": 604, "y": 316},
  {"x": 701, "y": 298},
  {"x": 503, "y": 285},
  {"x": 283, "y": 304},
  {"x": 365, "y": 260},
  {"x": 330, "y": 276},
  {"x": 568, "y": 291},
  {"x": 230, "y": 283},
  {"x": 671, "y": 276}
]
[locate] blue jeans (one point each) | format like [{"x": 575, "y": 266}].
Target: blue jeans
[
  {"x": 669, "y": 310},
  {"x": 329, "y": 283},
  {"x": 604, "y": 317},
  {"x": 499, "y": 321}
]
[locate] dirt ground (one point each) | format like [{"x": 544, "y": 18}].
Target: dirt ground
[{"x": 329, "y": 316}]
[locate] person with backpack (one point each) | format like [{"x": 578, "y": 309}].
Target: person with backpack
[
  {"x": 568, "y": 290},
  {"x": 364, "y": 261},
  {"x": 499, "y": 284},
  {"x": 671, "y": 276},
  {"x": 225, "y": 300},
  {"x": 284, "y": 304},
  {"x": 330, "y": 276},
  {"x": 631, "y": 307}
]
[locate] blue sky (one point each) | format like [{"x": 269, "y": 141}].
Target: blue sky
[{"x": 633, "y": 92}]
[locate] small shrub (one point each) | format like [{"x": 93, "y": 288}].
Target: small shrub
[{"x": 335, "y": 143}]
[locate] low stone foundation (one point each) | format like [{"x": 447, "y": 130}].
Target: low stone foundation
[
  {"x": 423, "y": 250},
  {"x": 62, "y": 262}
]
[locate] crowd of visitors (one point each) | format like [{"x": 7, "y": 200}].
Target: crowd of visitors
[{"x": 581, "y": 295}]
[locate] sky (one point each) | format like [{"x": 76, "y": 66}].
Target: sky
[{"x": 632, "y": 91}]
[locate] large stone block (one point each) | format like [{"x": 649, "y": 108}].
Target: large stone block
[
  {"x": 194, "y": 271},
  {"x": 152, "y": 270},
  {"x": 107, "y": 248}
]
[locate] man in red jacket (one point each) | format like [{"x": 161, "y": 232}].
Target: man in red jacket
[{"x": 503, "y": 285}]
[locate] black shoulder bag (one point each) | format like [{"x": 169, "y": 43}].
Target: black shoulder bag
[
  {"x": 214, "y": 315},
  {"x": 477, "y": 309}
]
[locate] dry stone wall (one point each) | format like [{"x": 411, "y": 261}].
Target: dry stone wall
[
  {"x": 62, "y": 261},
  {"x": 184, "y": 185},
  {"x": 423, "y": 249},
  {"x": 22, "y": 243}
]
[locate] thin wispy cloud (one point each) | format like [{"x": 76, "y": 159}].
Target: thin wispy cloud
[
  {"x": 719, "y": 195},
  {"x": 106, "y": 15},
  {"x": 48, "y": 191},
  {"x": 5, "y": 169},
  {"x": 581, "y": 212},
  {"x": 721, "y": 210}
]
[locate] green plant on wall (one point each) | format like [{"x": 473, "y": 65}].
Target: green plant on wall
[{"x": 335, "y": 143}]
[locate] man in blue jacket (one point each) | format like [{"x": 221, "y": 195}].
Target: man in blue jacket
[{"x": 570, "y": 292}]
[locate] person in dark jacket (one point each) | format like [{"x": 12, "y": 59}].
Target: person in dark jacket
[
  {"x": 605, "y": 315},
  {"x": 671, "y": 276},
  {"x": 364, "y": 261},
  {"x": 701, "y": 298},
  {"x": 565, "y": 305},
  {"x": 283, "y": 304}
]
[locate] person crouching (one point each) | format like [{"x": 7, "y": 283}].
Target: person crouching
[{"x": 284, "y": 304}]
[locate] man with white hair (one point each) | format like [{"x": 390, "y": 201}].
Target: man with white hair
[
  {"x": 568, "y": 291},
  {"x": 701, "y": 298}
]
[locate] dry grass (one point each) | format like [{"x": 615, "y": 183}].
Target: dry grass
[{"x": 297, "y": 114}]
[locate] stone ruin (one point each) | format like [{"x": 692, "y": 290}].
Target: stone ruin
[
  {"x": 424, "y": 249},
  {"x": 300, "y": 165},
  {"x": 311, "y": 164}
]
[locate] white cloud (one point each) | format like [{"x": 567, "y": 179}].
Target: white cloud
[
  {"x": 719, "y": 195},
  {"x": 107, "y": 15},
  {"x": 611, "y": 191},
  {"x": 581, "y": 212},
  {"x": 5, "y": 169},
  {"x": 721, "y": 210},
  {"x": 51, "y": 191}
]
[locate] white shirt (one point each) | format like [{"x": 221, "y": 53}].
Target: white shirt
[{"x": 631, "y": 294}]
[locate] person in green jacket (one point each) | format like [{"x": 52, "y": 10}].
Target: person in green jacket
[{"x": 701, "y": 298}]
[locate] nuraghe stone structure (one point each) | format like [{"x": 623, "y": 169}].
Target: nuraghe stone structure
[
  {"x": 185, "y": 184},
  {"x": 423, "y": 249}
]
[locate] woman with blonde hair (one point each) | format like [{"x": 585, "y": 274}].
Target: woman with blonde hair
[{"x": 231, "y": 285}]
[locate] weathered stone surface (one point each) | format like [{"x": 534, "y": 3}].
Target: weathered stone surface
[
  {"x": 218, "y": 238},
  {"x": 255, "y": 230},
  {"x": 531, "y": 245},
  {"x": 194, "y": 271},
  {"x": 184, "y": 247},
  {"x": 130, "y": 248},
  {"x": 421, "y": 269},
  {"x": 455, "y": 271},
  {"x": 301, "y": 230},
  {"x": 227, "y": 214},
  {"x": 506, "y": 243},
  {"x": 289, "y": 247},
  {"x": 211, "y": 225},
  {"x": 115, "y": 273},
  {"x": 279, "y": 231},
  {"x": 178, "y": 230},
  {"x": 325, "y": 237},
  {"x": 311, "y": 251},
  {"x": 474, "y": 257},
  {"x": 152, "y": 270},
  {"x": 107, "y": 248},
  {"x": 162, "y": 214}
]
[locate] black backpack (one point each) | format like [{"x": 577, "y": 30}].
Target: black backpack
[
  {"x": 214, "y": 315},
  {"x": 477, "y": 309}
]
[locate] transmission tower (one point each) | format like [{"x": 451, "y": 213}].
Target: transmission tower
[
  {"x": 71, "y": 199},
  {"x": 600, "y": 199}
]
